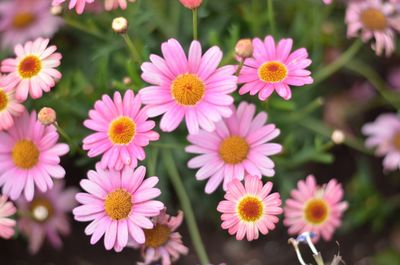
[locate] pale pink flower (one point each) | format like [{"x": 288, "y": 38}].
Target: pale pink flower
[
  {"x": 23, "y": 20},
  {"x": 315, "y": 209},
  {"x": 163, "y": 242},
  {"x": 384, "y": 134},
  {"x": 191, "y": 4},
  {"x": 7, "y": 209},
  {"x": 394, "y": 78},
  {"x": 193, "y": 88},
  {"x": 239, "y": 146},
  {"x": 250, "y": 208},
  {"x": 29, "y": 156},
  {"x": 118, "y": 204},
  {"x": 10, "y": 108},
  {"x": 79, "y": 5},
  {"x": 374, "y": 19},
  {"x": 114, "y": 4},
  {"x": 274, "y": 67},
  {"x": 122, "y": 130},
  {"x": 327, "y": 2},
  {"x": 33, "y": 70},
  {"x": 46, "y": 216}
]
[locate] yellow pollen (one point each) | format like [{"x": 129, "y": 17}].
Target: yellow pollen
[
  {"x": 250, "y": 209},
  {"x": 122, "y": 130},
  {"x": 157, "y": 236},
  {"x": 233, "y": 150},
  {"x": 396, "y": 141},
  {"x": 373, "y": 19},
  {"x": 118, "y": 204},
  {"x": 23, "y": 20},
  {"x": 272, "y": 72},
  {"x": 41, "y": 209},
  {"x": 25, "y": 154},
  {"x": 29, "y": 67},
  {"x": 316, "y": 211},
  {"x": 188, "y": 89},
  {"x": 3, "y": 100}
]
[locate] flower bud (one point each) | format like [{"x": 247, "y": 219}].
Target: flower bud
[
  {"x": 47, "y": 116},
  {"x": 56, "y": 10},
  {"x": 244, "y": 48},
  {"x": 191, "y": 4},
  {"x": 120, "y": 25},
  {"x": 338, "y": 137}
]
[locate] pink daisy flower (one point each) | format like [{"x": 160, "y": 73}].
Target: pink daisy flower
[
  {"x": 315, "y": 209},
  {"x": 374, "y": 19},
  {"x": 119, "y": 204},
  {"x": 384, "y": 134},
  {"x": 33, "y": 70},
  {"x": 274, "y": 67},
  {"x": 114, "y": 4},
  {"x": 191, "y": 87},
  {"x": 163, "y": 242},
  {"x": 239, "y": 146},
  {"x": 249, "y": 208},
  {"x": 29, "y": 156},
  {"x": 7, "y": 209},
  {"x": 122, "y": 130},
  {"x": 46, "y": 216},
  {"x": 79, "y": 5},
  {"x": 10, "y": 108},
  {"x": 23, "y": 20}
]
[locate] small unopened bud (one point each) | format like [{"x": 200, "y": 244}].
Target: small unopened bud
[
  {"x": 47, "y": 116},
  {"x": 56, "y": 10},
  {"x": 191, "y": 4},
  {"x": 244, "y": 48},
  {"x": 120, "y": 25},
  {"x": 127, "y": 80},
  {"x": 338, "y": 136}
]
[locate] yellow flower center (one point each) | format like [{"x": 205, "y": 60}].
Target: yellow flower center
[
  {"x": 272, "y": 72},
  {"x": 250, "y": 209},
  {"x": 396, "y": 141},
  {"x": 157, "y": 236},
  {"x": 122, "y": 130},
  {"x": 41, "y": 209},
  {"x": 3, "y": 100},
  {"x": 29, "y": 67},
  {"x": 23, "y": 20},
  {"x": 233, "y": 150},
  {"x": 118, "y": 204},
  {"x": 25, "y": 154},
  {"x": 373, "y": 19},
  {"x": 188, "y": 89},
  {"x": 316, "y": 211}
]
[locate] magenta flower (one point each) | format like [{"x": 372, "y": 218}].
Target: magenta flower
[
  {"x": 122, "y": 130},
  {"x": 239, "y": 146},
  {"x": 33, "y": 70},
  {"x": 274, "y": 68},
  {"x": 46, "y": 216},
  {"x": 315, "y": 209},
  {"x": 79, "y": 5},
  {"x": 384, "y": 134},
  {"x": 29, "y": 156},
  {"x": 10, "y": 108},
  {"x": 374, "y": 19},
  {"x": 191, "y": 87},
  {"x": 7, "y": 209},
  {"x": 23, "y": 20},
  {"x": 118, "y": 204}
]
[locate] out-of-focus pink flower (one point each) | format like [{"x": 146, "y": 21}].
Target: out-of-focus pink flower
[
  {"x": 114, "y": 4},
  {"x": 79, "y": 5},
  {"x": 46, "y": 216},
  {"x": 394, "y": 78},
  {"x": 384, "y": 134},
  {"x": 10, "y": 108},
  {"x": 315, "y": 209},
  {"x": 327, "y": 2},
  {"x": 7, "y": 209},
  {"x": 191, "y": 4},
  {"x": 250, "y": 208}
]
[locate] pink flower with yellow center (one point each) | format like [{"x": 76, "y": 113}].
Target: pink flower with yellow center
[
  {"x": 315, "y": 209},
  {"x": 29, "y": 156},
  {"x": 191, "y": 88},
  {"x": 274, "y": 67},
  {"x": 7, "y": 209},
  {"x": 249, "y": 209},
  {"x": 238, "y": 146},
  {"x": 46, "y": 216},
  {"x": 122, "y": 130},
  {"x": 79, "y": 5},
  {"x": 374, "y": 19},
  {"x": 119, "y": 205},
  {"x": 33, "y": 70},
  {"x": 10, "y": 108}
]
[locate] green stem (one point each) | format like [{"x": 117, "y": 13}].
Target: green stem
[
  {"x": 186, "y": 206},
  {"x": 271, "y": 16},
  {"x": 240, "y": 66},
  {"x": 68, "y": 138},
  {"x": 134, "y": 52},
  {"x": 195, "y": 23},
  {"x": 79, "y": 26}
]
